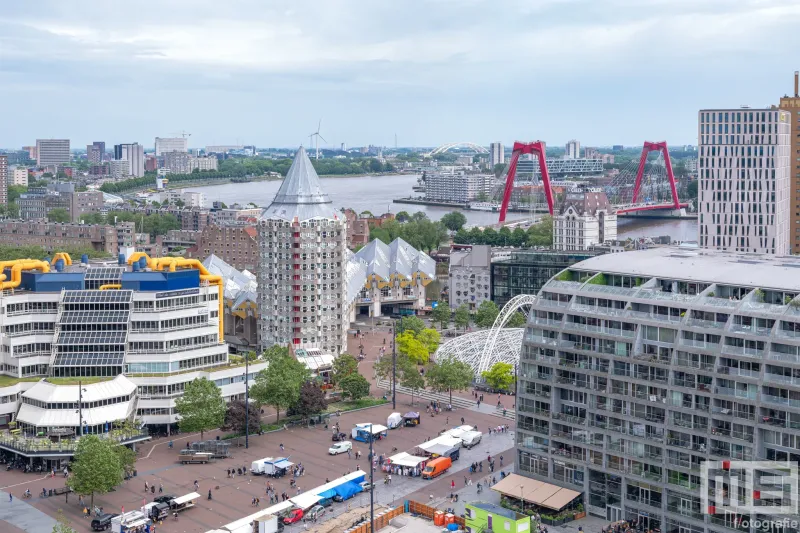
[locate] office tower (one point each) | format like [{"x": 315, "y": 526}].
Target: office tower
[
  {"x": 792, "y": 105},
  {"x": 302, "y": 284},
  {"x": 95, "y": 152},
  {"x": 4, "y": 179},
  {"x": 745, "y": 185},
  {"x": 638, "y": 367},
  {"x": 133, "y": 153},
  {"x": 573, "y": 149},
  {"x": 497, "y": 155},
  {"x": 52, "y": 152},
  {"x": 171, "y": 144}
]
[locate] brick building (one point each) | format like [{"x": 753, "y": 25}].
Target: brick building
[
  {"x": 53, "y": 236},
  {"x": 236, "y": 245}
]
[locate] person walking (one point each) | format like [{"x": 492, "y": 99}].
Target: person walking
[
  {"x": 281, "y": 446},
  {"x": 146, "y": 486},
  {"x": 160, "y": 488},
  {"x": 196, "y": 486},
  {"x": 452, "y": 484},
  {"x": 501, "y": 460}
]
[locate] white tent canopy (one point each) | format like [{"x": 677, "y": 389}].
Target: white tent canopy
[
  {"x": 305, "y": 500},
  {"x": 441, "y": 444},
  {"x": 186, "y": 498},
  {"x": 406, "y": 459},
  {"x": 458, "y": 432}
]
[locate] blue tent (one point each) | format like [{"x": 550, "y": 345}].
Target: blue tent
[
  {"x": 330, "y": 493},
  {"x": 348, "y": 490}
]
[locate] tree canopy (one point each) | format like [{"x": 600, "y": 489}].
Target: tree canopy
[
  {"x": 448, "y": 375},
  {"x": 58, "y": 214},
  {"x": 429, "y": 338},
  {"x": 419, "y": 232},
  {"x": 411, "y": 347},
  {"x": 517, "y": 320},
  {"x": 486, "y": 314},
  {"x": 442, "y": 314},
  {"x": 454, "y": 221},
  {"x": 410, "y": 323},
  {"x": 96, "y": 467},
  {"x": 201, "y": 407},
  {"x": 500, "y": 376},
  {"x": 312, "y": 399},
  {"x": 279, "y": 384},
  {"x": 540, "y": 234},
  {"x": 354, "y": 386},
  {"x": 238, "y": 418},
  {"x": 462, "y": 317},
  {"x": 343, "y": 365}
]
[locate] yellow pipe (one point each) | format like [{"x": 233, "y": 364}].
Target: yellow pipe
[
  {"x": 8, "y": 264},
  {"x": 205, "y": 275},
  {"x": 109, "y": 286},
  {"x": 135, "y": 256},
  {"x": 18, "y": 267},
  {"x": 61, "y": 255}
]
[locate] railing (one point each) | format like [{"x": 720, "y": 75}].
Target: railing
[
  {"x": 782, "y": 379},
  {"x": 30, "y": 332},
  {"x": 677, "y": 361},
  {"x": 751, "y": 330},
  {"x": 700, "y": 323},
  {"x": 697, "y": 515},
  {"x": 779, "y": 400},
  {"x": 582, "y": 327},
  {"x": 743, "y": 350},
  {"x": 176, "y": 349},
  {"x": 789, "y": 333},
  {"x": 729, "y": 391},
  {"x": 685, "y": 483},
  {"x": 41, "y": 445},
  {"x": 175, "y": 328},
  {"x": 785, "y": 357},
  {"x": 569, "y": 418},
  {"x": 546, "y": 321}
]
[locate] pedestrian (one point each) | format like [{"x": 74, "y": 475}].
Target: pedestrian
[
  {"x": 196, "y": 485},
  {"x": 146, "y": 487},
  {"x": 209, "y": 494},
  {"x": 480, "y": 466},
  {"x": 501, "y": 460},
  {"x": 282, "y": 445},
  {"x": 160, "y": 488},
  {"x": 10, "y": 498},
  {"x": 452, "y": 484},
  {"x": 479, "y": 404},
  {"x": 465, "y": 481},
  {"x": 462, "y": 420},
  {"x": 349, "y": 456}
]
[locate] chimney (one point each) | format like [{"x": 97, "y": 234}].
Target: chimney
[{"x": 796, "y": 83}]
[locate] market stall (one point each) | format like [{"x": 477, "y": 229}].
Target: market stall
[
  {"x": 405, "y": 464},
  {"x": 411, "y": 419}
]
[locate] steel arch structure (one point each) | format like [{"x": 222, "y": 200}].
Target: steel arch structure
[
  {"x": 449, "y": 146},
  {"x": 469, "y": 348},
  {"x": 536, "y": 148},
  {"x": 636, "y": 205},
  {"x": 521, "y": 302}
]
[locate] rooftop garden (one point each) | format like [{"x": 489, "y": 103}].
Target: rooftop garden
[
  {"x": 7, "y": 381},
  {"x": 86, "y": 380}
]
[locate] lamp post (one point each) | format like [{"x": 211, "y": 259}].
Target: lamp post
[
  {"x": 80, "y": 409},
  {"x": 247, "y": 401},
  {"x": 522, "y": 497},
  {"x": 371, "y": 484},
  {"x": 394, "y": 364}
]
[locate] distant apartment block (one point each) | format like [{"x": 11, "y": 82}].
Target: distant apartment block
[
  {"x": 591, "y": 153},
  {"x": 233, "y": 216},
  {"x": 497, "y": 155},
  {"x": 470, "y": 277},
  {"x": 203, "y": 163},
  {"x": 3, "y": 179},
  {"x": 52, "y": 152},
  {"x": 358, "y": 227},
  {"x": 32, "y": 153},
  {"x": 791, "y": 104},
  {"x": 745, "y": 180},
  {"x": 236, "y": 245},
  {"x": 165, "y": 145},
  {"x": 585, "y": 218},
  {"x": 573, "y": 149},
  {"x": 177, "y": 162},
  {"x": 55, "y": 236},
  {"x": 133, "y": 153},
  {"x": 95, "y": 152},
  {"x": 457, "y": 187},
  {"x": 39, "y": 201},
  {"x": 223, "y": 148},
  {"x": 118, "y": 168},
  {"x": 19, "y": 176}
]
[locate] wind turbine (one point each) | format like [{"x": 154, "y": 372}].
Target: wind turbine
[{"x": 317, "y": 134}]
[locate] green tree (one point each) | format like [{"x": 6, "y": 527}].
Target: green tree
[
  {"x": 429, "y": 338},
  {"x": 279, "y": 384},
  {"x": 462, "y": 317},
  {"x": 517, "y": 320},
  {"x": 312, "y": 400},
  {"x": 500, "y": 376},
  {"x": 448, "y": 375},
  {"x": 498, "y": 169},
  {"x": 454, "y": 221},
  {"x": 410, "y": 323},
  {"x": 127, "y": 458},
  {"x": 691, "y": 189},
  {"x": 344, "y": 365},
  {"x": 354, "y": 386},
  {"x": 411, "y": 378},
  {"x": 419, "y": 216},
  {"x": 486, "y": 314},
  {"x": 59, "y": 214},
  {"x": 504, "y": 236},
  {"x": 402, "y": 216},
  {"x": 408, "y": 345},
  {"x": 14, "y": 192},
  {"x": 490, "y": 236},
  {"x": 201, "y": 407},
  {"x": 96, "y": 467},
  {"x": 238, "y": 418},
  {"x": 442, "y": 314},
  {"x": 62, "y": 524},
  {"x": 541, "y": 234},
  {"x": 519, "y": 237}
]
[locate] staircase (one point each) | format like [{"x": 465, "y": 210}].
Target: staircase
[{"x": 458, "y": 402}]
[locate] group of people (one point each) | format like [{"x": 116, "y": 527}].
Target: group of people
[
  {"x": 628, "y": 526},
  {"x": 499, "y": 429}
]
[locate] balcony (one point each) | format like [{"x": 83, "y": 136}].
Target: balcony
[
  {"x": 685, "y": 483},
  {"x": 700, "y": 323},
  {"x": 543, "y": 376},
  {"x": 569, "y": 418},
  {"x": 685, "y": 511},
  {"x": 751, "y": 330},
  {"x": 734, "y": 371},
  {"x": 780, "y": 378},
  {"x": 582, "y": 327},
  {"x": 743, "y": 351},
  {"x": 785, "y": 357},
  {"x": 780, "y": 400},
  {"x": 737, "y": 393},
  {"x": 724, "y": 432},
  {"x": 546, "y": 322}
]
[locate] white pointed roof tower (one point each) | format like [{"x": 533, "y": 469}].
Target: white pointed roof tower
[{"x": 301, "y": 195}]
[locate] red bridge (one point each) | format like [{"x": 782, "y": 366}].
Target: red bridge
[{"x": 651, "y": 186}]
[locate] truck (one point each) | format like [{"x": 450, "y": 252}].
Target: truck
[
  {"x": 257, "y": 467},
  {"x": 191, "y": 456},
  {"x": 156, "y": 511}
]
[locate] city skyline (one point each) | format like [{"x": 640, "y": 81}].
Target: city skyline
[{"x": 468, "y": 70}]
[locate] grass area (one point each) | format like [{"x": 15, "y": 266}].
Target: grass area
[
  {"x": 74, "y": 381},
  {"x": 7, "y": 381},
  {"x": 214, "y": 368},
  {"x": 358, "y": 404}
]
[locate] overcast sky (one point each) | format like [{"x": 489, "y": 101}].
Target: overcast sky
[{"x": 265, "y": 71}]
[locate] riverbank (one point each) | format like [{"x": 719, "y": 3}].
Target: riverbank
[{"x": 452, "y": 205}]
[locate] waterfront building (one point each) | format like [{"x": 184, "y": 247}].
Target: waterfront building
[
  {"x": 497, "y": 154},
  {"x": 791, "y": 104},
  {"x": 457, "y": 186},
  {"x": 164, "y": 145},
  {"x": 302, "y": 282},
  {"x": 585, "y": 218},
  {"x": 52, "y": 152},
  {"x": 470, "y": 276},
  {"x": 177, "y": 162},
  {"x": 573, "y": 149},
  {"x": 526, "y": 271},
  {"x": 745, "y": 173},
  {"x": 638, "y": 367},
  {"x": 203, "y": 163},
  {"x": 528, "y": 167}
]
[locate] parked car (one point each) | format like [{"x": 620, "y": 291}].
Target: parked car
[
  {"x": 102, "y": 522},
  {"x": 164, "y": 498},
  {"x": 314, "y": 514},
  {"x": 366, "y": 486},
  {"x": 294, "y": 516},
  {"x": 339, "y": 437},
  {"x": 325, "y": 502},
  {"x": 340, "y": 447}
]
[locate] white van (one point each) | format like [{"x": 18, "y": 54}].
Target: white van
[
  {"x": 257, "y": 467},
  {"x": 340, "y": 447},
  {"x": 471, "y": 438}
]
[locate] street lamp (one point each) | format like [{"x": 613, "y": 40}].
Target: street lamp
[
  {"x": 80, "y": 409},
  {"x": 394, "y": 363},
  {"x": 247, "y": 401},
  {"x": 371, "y": 484},
  {"x": 522, "y": 497}
]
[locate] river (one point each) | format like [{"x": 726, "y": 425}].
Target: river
[{"x": 375, "y": 194}]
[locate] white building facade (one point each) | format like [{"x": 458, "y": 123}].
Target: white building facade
[
  {"x": 52, "y": 152},
  {"x": 745, "y": 180},
  {"x": 171, "y": 144},
  {"x": 301, "y": 285},
  {"x": 585, "y": 218},
  {"x": 19, "y": 176},
  {"x": 470, "y": 277},
  {"x": 497, "y": 155},
  {"x": 573, "y": 149},
  {"x": 457, "y": 187}
]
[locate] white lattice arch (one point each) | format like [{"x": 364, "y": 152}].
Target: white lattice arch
[
  {"x": 446, "y": 147},
  {"x": 521, "y": 302},
  {"x": 469, "y": 348}
]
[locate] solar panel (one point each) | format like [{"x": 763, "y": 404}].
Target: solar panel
[
  {"x": 97, "y": 297},
  {"x": 91, "y": 337},
  {"x": 88, "y": 359},
  {"x": 95, "y": 317},
  {"x": 104, "y": 273}
]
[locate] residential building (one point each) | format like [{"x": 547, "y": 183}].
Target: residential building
[
  {"x": 162, "y": 329},
  {"x": 358, "y": 227},
  {"x": 223, "y": 148},
  {"x": 584, "y": 218},
  {"x": 301, "y": 284},
  {"x": 492, "y": 518},
  {"x": 37, "y": 202},
  {"x": 103, "y": 170},
  {"x": 395, "y": 280},
  {"x": 470, "y": 276},
  {"x": 235, "y": 215},
  {"x": 19, "y": 176},
  {"x": 639, "y": 367},
  {"x": 150, "y": 163},
  {"x": 189, "y": 198},
  {"x": 744, "y": 194},
  {"x": 52, "y": 152},
  {"x": 178, "y": 238},
  {"x": 591, "y": 153},
  {"x": 178, "y": 162},
  {"x": 32, "y": 152},
  {"x": 53, "y": 236},
  {"x": 457, "y": 187},
  {"x": 497, "y": 154},
  {"x": 4, "y": 182},
  {"x": 690, "y": 163},
  {"x": 203, "y": 163},
  {"x": 95, "y": 152},
  {"x": 791, "y": 104},
  {"x": 133, "y": 153},
  {"x": 236, "y": 245},
  {"x": 608, "y": 159},
  {"x": 526, "y": 271},
  {"x": 573, "y": 149},
  {"x": 118, "y": 168},
  {"x": 165, "y": 145}
]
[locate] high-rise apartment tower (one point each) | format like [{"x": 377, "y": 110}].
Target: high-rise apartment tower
[
  {"x": 497, "y": 154},
  {"x": 791, "y": 104}
]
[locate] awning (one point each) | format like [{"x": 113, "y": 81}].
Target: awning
[
  {"x": 441, "y": 444},
  {"x": 185, "y": 499},
  {"x": 411, "y": 414},
  {"x": 305, "y": 500},
  {"x": 330, "y": 493},
  {"x": 376, "y": 428},
  {"x": 285, "y": 463},
  {"x": 406, "y": 459},
  {"x": 457, "y": 432},
  {"x": 535, "y": 492}
]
